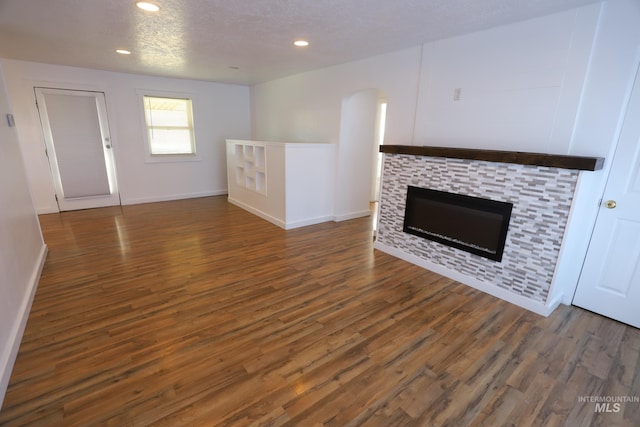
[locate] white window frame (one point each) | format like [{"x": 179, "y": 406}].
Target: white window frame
[{"x": 166, "y": 158}]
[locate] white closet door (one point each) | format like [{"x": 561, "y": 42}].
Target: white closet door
[{"x": 610, "y": 279}]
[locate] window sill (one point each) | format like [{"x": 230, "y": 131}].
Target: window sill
[{"x": 172, "y": 158}]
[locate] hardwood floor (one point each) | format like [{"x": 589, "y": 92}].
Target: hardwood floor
[{"x": 196, "y": 312}]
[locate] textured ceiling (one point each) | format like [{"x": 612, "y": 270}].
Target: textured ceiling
[{"x": 241, "y": 41}]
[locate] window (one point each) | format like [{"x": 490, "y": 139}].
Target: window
[{"x": 169, "y": 126}]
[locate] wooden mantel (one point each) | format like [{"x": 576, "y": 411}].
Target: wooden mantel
[{"x": 518, "y": 157}]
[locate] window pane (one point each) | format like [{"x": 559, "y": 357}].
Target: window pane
[
  {"x": 170, "y": 141},
  {"x": 169, "y": 118},
  {"x": 170, "y": 125}
]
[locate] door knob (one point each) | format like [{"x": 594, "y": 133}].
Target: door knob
[
  {"x": 108, "y": 146},
  {"x": 610, "y": 204}
]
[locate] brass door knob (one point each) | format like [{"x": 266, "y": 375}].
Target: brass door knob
[{"x": 610, "y": 204}]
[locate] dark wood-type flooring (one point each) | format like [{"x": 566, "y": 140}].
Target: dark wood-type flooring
[{"x": 196, "y": 312}]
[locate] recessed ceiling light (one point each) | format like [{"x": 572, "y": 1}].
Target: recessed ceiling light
[
  {"x": 149, "y": 7},
  {"x": 301, "y": 43},
  {"x": 123, "y": 51}
]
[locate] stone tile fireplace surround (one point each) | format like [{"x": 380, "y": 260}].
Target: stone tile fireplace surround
[{"x": 541, "y": 188}]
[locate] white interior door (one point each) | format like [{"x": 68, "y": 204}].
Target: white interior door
[
  {"x": 610, "y": 279},
  {"x": 79, "y": 147}
]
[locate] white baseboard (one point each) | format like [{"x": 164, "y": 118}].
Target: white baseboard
[
  {"x": 10, "y": 352},
  {"x": 258, "y": 212},
  {"x": 567, "y": 299},
  {"x": 169, "y": 197},
  {"x": 351, "y": 215},
  {"x": 47, "y": 210},
  {"x": 554, "y": 302},
  {"x": 277, "y": 221},
  {"x": 531, "y": 305},
  {"x": 308, "y": 221}
]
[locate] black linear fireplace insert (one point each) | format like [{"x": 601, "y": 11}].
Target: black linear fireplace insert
[{"x": 472, "y": 224}]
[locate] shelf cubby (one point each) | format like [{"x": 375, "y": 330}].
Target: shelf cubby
[{"x": 250, "y": 170}]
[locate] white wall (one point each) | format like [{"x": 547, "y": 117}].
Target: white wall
[
  {"x": 355, "y": 150},
  {"x": 556, "y": 84},
  {"x": 520, "y": 85},
  {"x": 307, "y": 107},
  {"x": 220, "y": 111},
  {"x": 22, "y": 250}
]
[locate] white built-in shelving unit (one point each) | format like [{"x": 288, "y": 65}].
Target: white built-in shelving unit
[{"x": 288, "y": 184}]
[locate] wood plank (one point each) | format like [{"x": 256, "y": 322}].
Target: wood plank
[{"x": 196, "y": 312}]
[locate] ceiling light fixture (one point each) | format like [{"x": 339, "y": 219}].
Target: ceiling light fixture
[
  {"x": 123, "y": 51},
  {"x": 149, "y": 7},
  {"x": 301, "y": 43}
]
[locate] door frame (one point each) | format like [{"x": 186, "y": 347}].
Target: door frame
[{"x": 86, "y": 202}]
